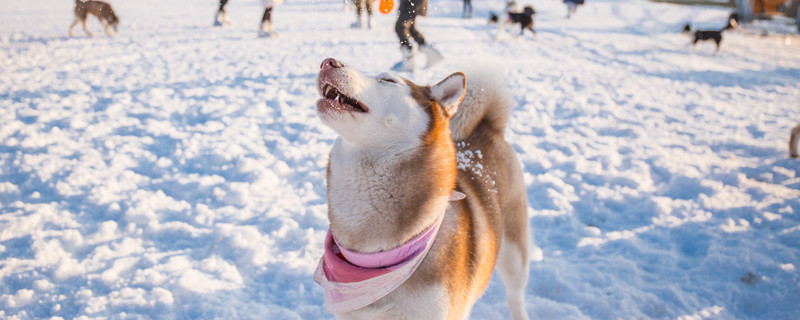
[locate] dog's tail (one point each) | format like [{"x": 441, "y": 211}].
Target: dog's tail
[{"x": 485, "y": 105}]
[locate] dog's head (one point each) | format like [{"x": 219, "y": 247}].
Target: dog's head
[
  {"x": 687, "y": 28},
  {"x": 733, "y": 22},
  {"x": 385, "y": 111},
  {"x": 735, "y": 17},
  {"x": 493, "y": 18}
]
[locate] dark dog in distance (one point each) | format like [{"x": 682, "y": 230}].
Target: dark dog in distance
[
  {"x": 711, "y": 35},
  {"x": 99, "y": 9},
  {"x": 524, "y": 19}
]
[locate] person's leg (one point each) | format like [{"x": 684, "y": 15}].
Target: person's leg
[
  {"x": 432, "y": 55},
  {"x": 267, "y": 15},
  {"x": 222, "y": 17},
  {"x": 359, "y": 10},
  {"x": 571, "y": 7},
  {"x": 359, "y": 7},
  {"x": 797, "y": 20},
  {"x": 401, "y": 28},
  {"x": 265, "y": 29},
  {"x": 412, "y": 30},
  {"x": 370, "y": 19}
]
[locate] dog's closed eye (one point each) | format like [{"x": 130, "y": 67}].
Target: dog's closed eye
[{"x": 386, "y": 77}]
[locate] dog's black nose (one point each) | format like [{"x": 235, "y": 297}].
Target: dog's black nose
[{"x": 331, "y": 62}]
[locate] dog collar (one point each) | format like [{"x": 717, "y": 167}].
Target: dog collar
[{"x": 353, "y": 280}]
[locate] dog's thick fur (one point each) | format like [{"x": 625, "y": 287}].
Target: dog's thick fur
[
  {"x": 99, "y": 9},
  {"x": 711, "y": 35},
  {"x": 402, "y": 150},
  {"x": 524, "y": 19},
  {"x": 794, "y": 139}
]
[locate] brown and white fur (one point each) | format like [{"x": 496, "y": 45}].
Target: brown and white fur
[
  {"x": 794, "y": 139},
  {"x": 99, "y": 9},
  {"x": 402, "y": 149}
]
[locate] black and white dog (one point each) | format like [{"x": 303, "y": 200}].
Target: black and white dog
[
  {"x": 709, "y": 35},
  {"x": 513, "y": 17}
]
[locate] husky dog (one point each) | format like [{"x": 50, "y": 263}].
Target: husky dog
[
  {"x": 404, "y": 242},
  {"x": 794, "y": 139},
  {"x": 99, "y": 9},
  {"x": 711, "y": 35},
  {"x": 524, "y": 19}
]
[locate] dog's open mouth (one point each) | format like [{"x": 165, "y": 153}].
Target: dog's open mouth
[{"x": 347, "y": 103}]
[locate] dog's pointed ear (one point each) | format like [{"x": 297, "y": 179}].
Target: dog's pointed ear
[{"x": 450, "y": 91}]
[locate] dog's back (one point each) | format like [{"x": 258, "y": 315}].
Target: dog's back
[
  {"x": 488, "y": 227},
  {"x": 702, "y": 35},
  {"x": 101, "y": 10},
  {"x": 80, "y": 10},
  {"x": 524, "y": 18},
  {"x": 490, "y": 174}
]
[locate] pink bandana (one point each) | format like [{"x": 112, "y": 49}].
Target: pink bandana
[{"x": 353, "y": 280}]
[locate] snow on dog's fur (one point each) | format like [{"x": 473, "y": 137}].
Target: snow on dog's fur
[{"x": 393, "y": 168}]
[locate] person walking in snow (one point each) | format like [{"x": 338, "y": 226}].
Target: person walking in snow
[
  {"x": 405, "y": 29},
  {"x": 221, "y": 18},
  {"x": 467, "y": 12},
  {"x": 265, "y": 28},
  {"x": 572, "y": 6},
  {"x": 360, "y": 6}
]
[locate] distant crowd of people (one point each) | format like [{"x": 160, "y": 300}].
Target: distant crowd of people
[{"x": 405, "y": 26}]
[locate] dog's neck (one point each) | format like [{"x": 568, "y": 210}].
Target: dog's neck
[{"x": 380, "y": 198}]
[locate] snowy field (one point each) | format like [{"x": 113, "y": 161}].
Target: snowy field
[{"x": 176, "y": 171}]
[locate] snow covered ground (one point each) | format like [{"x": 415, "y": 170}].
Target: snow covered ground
[{"x": 176, "y": 170}]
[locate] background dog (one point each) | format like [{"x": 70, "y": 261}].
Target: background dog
[
  {"x": 403, "y": 152},
  {"x": 99, "y": 9},
  {"x": 711, "y": 35},
  {"x": 511, "y": 7},
  {"x": 524, "y": 19}
]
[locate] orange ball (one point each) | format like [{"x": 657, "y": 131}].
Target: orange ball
[{"x": 385, "y": 6}]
